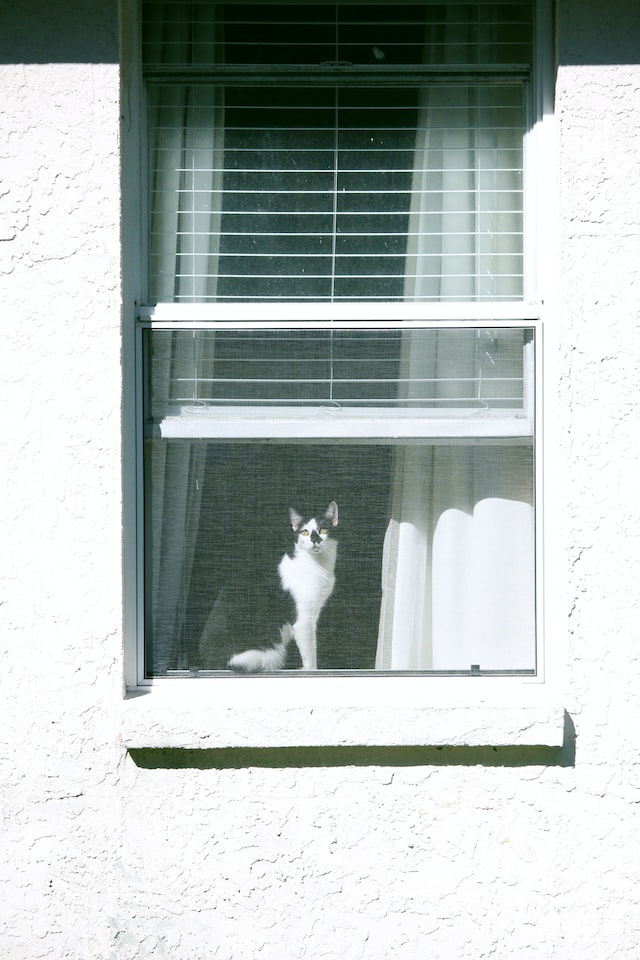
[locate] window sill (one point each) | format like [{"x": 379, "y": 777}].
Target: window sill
[{"x": 283, "y": 712}]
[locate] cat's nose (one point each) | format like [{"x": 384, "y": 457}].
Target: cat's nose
[{"x": 315, "y": 537}]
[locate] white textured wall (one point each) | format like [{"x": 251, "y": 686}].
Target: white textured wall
[
  {"x": 60, "y": 518},
  {"x": 461, "y": 855}
]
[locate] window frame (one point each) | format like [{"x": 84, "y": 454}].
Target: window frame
[{"x": 466, "y": 697}]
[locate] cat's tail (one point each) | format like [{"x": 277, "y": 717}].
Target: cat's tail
[{"x": 264, "y": 661}]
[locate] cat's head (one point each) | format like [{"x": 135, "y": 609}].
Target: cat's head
[{"x": 311, "y": 534}]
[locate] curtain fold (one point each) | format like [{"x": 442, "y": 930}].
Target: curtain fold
[
  {"x": 458, "y": 558},
  {"x": 174, "y": 475},
  {"x": 187, "y": 167},
  {"x": 186, "y": 162},
  {"x": 466, "y": 219}
]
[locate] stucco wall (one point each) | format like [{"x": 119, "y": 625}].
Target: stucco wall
[{"x": 404, "y": 854}]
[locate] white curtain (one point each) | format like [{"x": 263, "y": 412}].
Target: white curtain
[
  {"x": 465, "y": 224},
  {"x": 174, "y": 474},
  {"x": 186, "y": 192},
  {"x": 186, "y": 167},
  {"x": 458, "y": 559}
]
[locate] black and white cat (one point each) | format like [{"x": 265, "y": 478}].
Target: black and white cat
[{"x": 306, "y": 574}]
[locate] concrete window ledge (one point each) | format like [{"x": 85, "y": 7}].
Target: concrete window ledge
[{"x": 284, "y": 713}]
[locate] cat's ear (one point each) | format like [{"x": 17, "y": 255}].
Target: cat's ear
[
  {"x": 295, "y": 518},
  {"x": 332, "y": 513}
]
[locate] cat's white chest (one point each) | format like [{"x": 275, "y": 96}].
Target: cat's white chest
[{"x": 308, "y": 577}]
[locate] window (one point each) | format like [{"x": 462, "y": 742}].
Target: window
[{"x": 338, "y": 306}]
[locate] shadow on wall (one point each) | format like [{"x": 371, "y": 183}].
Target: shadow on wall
[
  {"x": 235, "y": 758},
  {"x": 86, "y": 31},
  {"x": 67, "y": 31},
  {"x": 594, "y": 33}
]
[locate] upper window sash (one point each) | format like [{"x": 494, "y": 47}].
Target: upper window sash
[{"x": 389, "y": 167}]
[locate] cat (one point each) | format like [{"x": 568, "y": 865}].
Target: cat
[{"x": 306, "y": 574}]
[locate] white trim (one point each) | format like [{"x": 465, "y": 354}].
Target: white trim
[
  {"x": 327, "y": 424},
  {"x": 133, "y": 246},
  {"x": 269, "y": 712},
  {"x": 345, "y": 315},
  {"x": 550, "y": 470}
]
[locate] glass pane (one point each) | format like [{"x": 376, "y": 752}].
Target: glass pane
[
  {"x": 433, "y": 371},
  {"x": 435, "y": 556},
  {"x": 261, "y": 193},
  {"x": 206, "y": 34}
]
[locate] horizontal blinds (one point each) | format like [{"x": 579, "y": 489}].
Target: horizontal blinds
[
  {"x": 310, "y": 188},
  {"x": 429, "y": 369},
  {"x": 328, "y": 193},
  {"x": 202, "y": 34}
]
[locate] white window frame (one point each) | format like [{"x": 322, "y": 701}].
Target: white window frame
[{"x": 273, "y": 711}]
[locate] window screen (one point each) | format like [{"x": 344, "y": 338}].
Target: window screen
[{"x": 338, "y": 154}]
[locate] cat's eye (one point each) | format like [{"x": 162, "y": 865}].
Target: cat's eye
[
  {"x": 323, "y": 530},
  {"x": 304, "y": 533}
]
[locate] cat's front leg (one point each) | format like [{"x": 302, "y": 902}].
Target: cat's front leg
[{"x": 304, "y": 632}]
